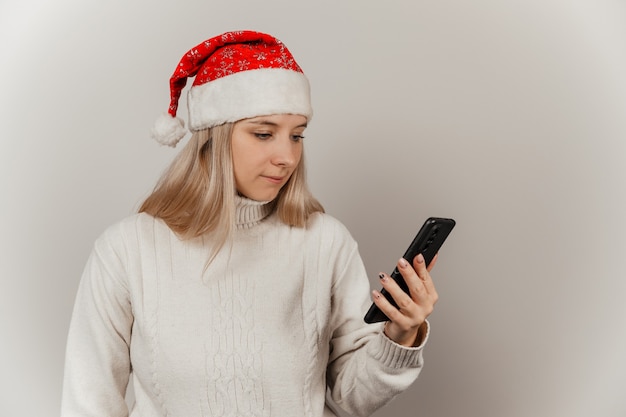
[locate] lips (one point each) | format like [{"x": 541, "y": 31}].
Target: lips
[{"x": 273, "y": 179}]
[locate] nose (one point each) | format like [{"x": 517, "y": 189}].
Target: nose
[{"x": 286, "y": 152}]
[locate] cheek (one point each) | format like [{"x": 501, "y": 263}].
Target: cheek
[
  {"x": 244, "y": 160},
  {"x": 298, "y": 155}
]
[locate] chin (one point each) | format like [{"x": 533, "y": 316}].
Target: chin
[{"x": 261, "y": 197}]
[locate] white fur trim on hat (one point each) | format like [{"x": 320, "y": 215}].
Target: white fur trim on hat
[{"x": 249, "y": 94}]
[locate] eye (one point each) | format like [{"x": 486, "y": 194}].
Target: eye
[
  {"x": 297, "y": 138},
  {"x": 263, "y": 136}
]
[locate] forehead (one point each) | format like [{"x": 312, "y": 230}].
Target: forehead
[{"x": 291, "y": 121}]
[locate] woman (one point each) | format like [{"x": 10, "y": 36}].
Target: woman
[{"x": 231, "y": 293}]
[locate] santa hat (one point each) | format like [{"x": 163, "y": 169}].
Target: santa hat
[{"x": 238, "y": 75}]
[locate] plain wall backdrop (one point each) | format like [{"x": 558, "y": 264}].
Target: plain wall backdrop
[{"x": 507, "y": 115}]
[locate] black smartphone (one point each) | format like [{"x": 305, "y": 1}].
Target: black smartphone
[{"x": 428, "y": 241}]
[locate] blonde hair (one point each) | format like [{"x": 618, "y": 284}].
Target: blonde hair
[{"x": 196, "y": 194}]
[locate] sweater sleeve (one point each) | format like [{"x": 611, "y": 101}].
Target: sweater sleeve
[
  {"x": 366, "y": 369},
  {"x": 97, "y": 364}
]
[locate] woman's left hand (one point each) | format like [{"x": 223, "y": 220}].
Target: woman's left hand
[{"x": 413, "y": 309}]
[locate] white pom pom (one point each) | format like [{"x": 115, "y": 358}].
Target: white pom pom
[{"x": 168, "y": 130}]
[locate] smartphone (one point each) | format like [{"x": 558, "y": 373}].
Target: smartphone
[{"x": 428, "y": 241}]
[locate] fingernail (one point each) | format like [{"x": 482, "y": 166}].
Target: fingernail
[
  {"x": 403, "y": 263},
  {"x": 420, "y": 258},
  {"x": 382, "y": 277},
  {"x": 376, "y": 294}
]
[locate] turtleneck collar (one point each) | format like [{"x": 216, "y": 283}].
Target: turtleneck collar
[{"x": 250, "y": 212}]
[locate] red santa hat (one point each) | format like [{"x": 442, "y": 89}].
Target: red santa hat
[{"x": 238, "y": 75}]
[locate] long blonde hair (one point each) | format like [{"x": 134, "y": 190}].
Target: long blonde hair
[{"x": 196, "y": 194}]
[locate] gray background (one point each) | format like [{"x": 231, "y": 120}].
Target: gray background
[{"x": 506, "y": 115}]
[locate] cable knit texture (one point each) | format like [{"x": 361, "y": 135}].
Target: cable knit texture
[{"x": 266, "y": 329}]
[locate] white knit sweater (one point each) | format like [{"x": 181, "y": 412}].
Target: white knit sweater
[{"x": 274, "y": 319}]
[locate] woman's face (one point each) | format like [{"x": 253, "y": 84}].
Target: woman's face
[{"x": 266, "y": 150}]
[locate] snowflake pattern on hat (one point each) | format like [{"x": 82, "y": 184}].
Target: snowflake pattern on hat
[{"x": 229, "y": 53}]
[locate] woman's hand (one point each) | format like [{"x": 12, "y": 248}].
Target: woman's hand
[{"x": 413, "y": 309}]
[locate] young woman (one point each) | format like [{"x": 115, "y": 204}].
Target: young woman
[{"x": 231, "y": 292}]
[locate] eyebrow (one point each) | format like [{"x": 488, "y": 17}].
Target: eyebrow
[{"x": 269, "y": 123}]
